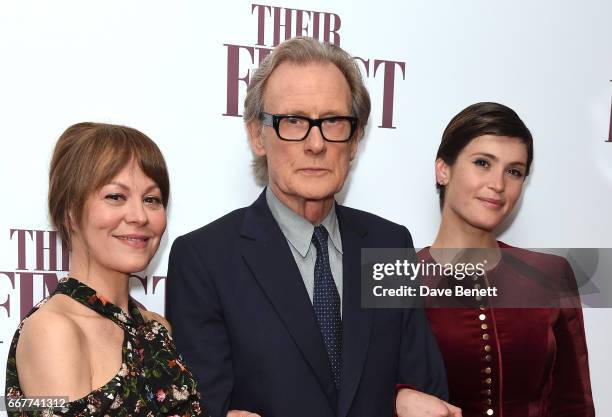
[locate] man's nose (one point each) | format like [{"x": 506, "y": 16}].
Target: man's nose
[{"x": 314, "y": 142}]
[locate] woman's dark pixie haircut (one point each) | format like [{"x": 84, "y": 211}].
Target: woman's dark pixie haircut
[{"x": 480, "y": 119}]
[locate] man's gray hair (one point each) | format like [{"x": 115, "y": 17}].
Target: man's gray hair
[{"x": 304, "y": 50}]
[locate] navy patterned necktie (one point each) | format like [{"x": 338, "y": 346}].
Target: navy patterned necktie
[{"x": 326, "y": 303}]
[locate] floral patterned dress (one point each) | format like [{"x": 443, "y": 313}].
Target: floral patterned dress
[{"x": 152, "y": 381}]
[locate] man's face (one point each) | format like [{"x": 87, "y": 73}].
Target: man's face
[{"x": 312, "y": 169}]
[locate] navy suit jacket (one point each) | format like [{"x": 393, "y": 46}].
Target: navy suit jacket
[{"x": 243, "y": 320}]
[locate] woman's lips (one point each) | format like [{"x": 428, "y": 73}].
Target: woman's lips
[
  {"x": 491, "y": 203},
  {"x": 135, "y": 241}
]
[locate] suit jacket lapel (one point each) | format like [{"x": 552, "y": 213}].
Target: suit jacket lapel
[
  {"x": 267, "y": 253},
  {"x": 356, "y": 322}
]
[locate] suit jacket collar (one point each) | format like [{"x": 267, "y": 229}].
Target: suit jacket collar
[{"x": 266, "y": 251}]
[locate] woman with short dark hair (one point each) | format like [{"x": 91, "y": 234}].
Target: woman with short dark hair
[{"x": 511, "y": 362}]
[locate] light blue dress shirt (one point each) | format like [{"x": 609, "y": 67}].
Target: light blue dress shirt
[{"x": 298, "y": 232}]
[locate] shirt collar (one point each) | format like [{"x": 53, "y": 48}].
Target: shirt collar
[{"x": 297, "y": 230}]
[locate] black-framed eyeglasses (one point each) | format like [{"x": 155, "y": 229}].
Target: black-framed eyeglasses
[{"x": 296, "y": 128}]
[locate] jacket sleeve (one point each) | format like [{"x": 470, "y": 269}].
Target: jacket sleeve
[
  {"x": 421, "y": 363},
  {"x": 194, "y": 310},
  {"x": 571, "y": 384}
]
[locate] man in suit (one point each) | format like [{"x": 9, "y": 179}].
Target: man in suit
[{"x": 265, "y": 301}]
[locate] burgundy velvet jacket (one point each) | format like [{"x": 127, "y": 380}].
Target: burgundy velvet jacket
[{"x": 516, "y": 362}]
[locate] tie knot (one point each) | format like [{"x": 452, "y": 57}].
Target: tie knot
[{"x": 319, "y": 238}]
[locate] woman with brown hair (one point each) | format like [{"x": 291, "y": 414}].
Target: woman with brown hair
[
  {"x": 88, "y": 341},
  {"x": 512, "y": 362}
]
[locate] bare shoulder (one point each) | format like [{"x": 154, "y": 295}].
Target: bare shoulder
[
  {"x": 151, "y": 315},
  {"x": 51, "y": 355},
  {"x": 49, "y": 327}
]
